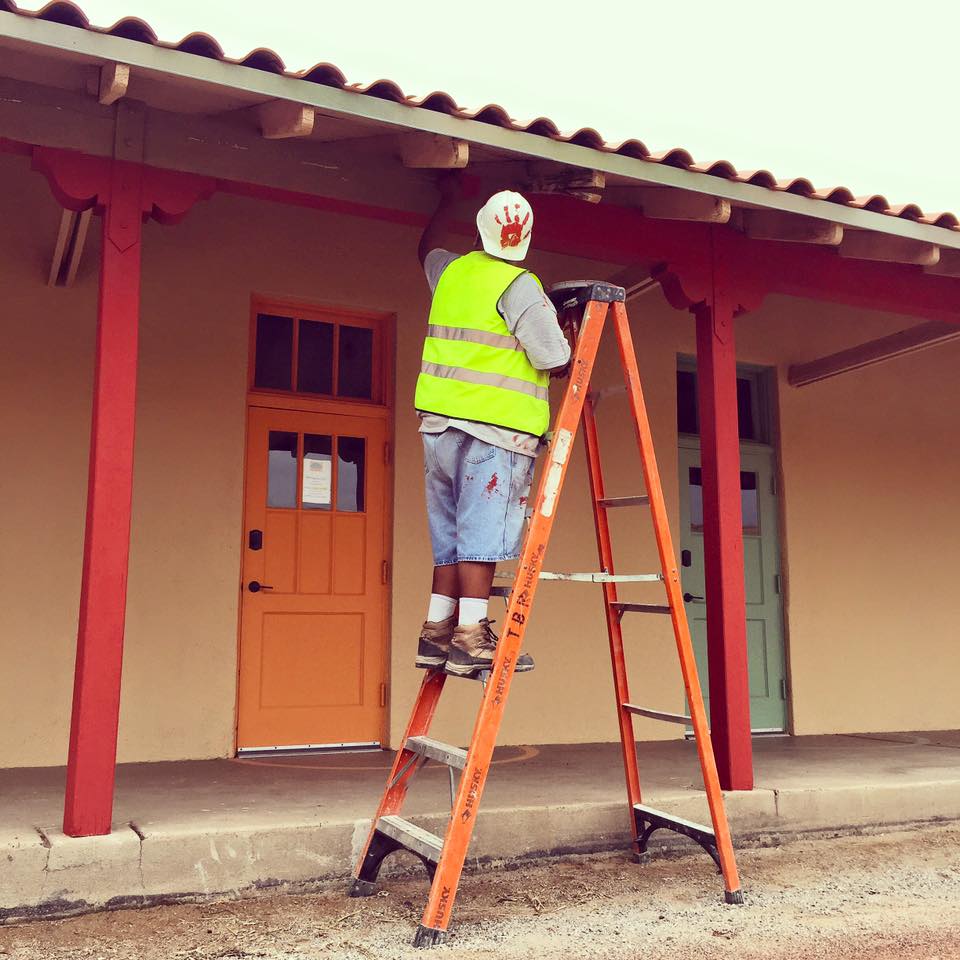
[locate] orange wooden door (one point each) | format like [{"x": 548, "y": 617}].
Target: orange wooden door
[{"x": 312, "y": 657}]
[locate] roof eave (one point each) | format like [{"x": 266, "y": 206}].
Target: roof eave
[{"x": 103, "y": 48}]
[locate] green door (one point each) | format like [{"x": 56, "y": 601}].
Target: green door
[{"x": 761, "y": 553}]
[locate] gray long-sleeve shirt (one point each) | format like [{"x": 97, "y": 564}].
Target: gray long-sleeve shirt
[{"x": 532, "y": 319}]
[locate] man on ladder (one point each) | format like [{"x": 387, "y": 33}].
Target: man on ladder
[
  {"x": 468, "y": 366},
  {"x": 482, "y": 397}
]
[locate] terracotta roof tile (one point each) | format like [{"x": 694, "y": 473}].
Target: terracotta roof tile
[
  {"x": 326, "y": 74},
  {"x": 202, "y": 44}
]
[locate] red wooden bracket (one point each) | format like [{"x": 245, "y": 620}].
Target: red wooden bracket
[
  {"x": 80, "y": 181},
  {"x": 722, "y": 277}
]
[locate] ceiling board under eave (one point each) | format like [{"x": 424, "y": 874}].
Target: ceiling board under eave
[{"x": 63, "y": 73}]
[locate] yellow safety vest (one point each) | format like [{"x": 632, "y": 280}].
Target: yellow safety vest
[{"x": 473, "y": 368}]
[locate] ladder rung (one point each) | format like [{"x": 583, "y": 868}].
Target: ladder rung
[
  {"x": 435, "y": 750},
  {"x": 657, "y": 714},
  {"x": 601, "y": 577},
  {"x": 662, "y": 819},
  {"x": 626, "y": 607},
  {"x": 590, "y": 577},
  {"x": 412, "y": 837},
  {"x": 640, "y": 501}
]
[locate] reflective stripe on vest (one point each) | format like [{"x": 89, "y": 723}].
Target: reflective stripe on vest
[
  {"x": 507, "y": 342},
  {"x": 490, "y": 379},
  {"x": 473, "y": 368}
]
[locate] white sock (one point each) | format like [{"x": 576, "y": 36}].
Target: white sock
[
  {"x": 441, "y": 607},
  {"x": 472, "y": 610}
]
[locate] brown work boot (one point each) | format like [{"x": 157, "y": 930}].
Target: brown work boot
[
  {"x": 434, "y": 646},
  {"x": 472, "y": 650}
]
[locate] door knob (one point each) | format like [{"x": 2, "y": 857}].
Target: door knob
[
  {"x": 687, "y": 597},
  {"x": 255, "y": 586}
]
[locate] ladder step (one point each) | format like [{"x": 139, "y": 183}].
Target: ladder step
[
  {"x": 601, "y": 577},
  {"x": 627, "y": 607},
  {"x": 656, "y": 714},
  {"x": 608, "y": 502},
  {"x": 598, "y": 576},
  {"x": 435, "y": 750},
  {"x": 413, "y": 838},
  {"x": 687, "y": 827}
]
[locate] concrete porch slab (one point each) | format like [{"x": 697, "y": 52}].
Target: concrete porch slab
[{"x": 207, "y": 828}]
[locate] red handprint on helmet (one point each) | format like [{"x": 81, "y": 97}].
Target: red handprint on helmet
[{"x": 511, "y": 232}]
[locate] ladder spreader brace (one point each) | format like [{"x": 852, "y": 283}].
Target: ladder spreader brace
[{"x": 584, "y": 307}]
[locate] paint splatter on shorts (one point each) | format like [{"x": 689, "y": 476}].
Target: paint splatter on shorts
[{"x": 476, "y": 497}]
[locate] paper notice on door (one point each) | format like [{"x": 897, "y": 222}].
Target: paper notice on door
[{"x": 316, "y": 482}]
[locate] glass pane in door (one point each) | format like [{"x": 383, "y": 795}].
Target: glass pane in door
[
  {"x": 317, "y": 487},
  {"x": 351, "y": 470},
  {"x": 282, "y": 469}
]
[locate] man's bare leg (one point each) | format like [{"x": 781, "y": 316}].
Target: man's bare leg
[
  {"x": 476, "y": 579},
  {"x": 446, "y": 580}
]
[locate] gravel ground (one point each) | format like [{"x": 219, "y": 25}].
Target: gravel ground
[{"x": 893, "y": 896}]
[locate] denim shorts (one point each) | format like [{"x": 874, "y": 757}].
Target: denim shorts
[{"x": 476, "y": 497}]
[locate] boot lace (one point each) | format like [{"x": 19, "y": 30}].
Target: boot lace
[{"x": 489, "y": 641}]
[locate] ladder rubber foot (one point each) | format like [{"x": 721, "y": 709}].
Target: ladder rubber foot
[
  {"x": 642, "y": 858},
  {"x": 429, "y": 937},
  {"x": 363, "y": 888},
  {"x": 733, "y": 896}
]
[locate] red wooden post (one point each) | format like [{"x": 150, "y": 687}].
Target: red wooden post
[
  {"x": 723, "y": 536},
  {"x": 123, "y": 191},
  {"x": 88, "y": 805}
]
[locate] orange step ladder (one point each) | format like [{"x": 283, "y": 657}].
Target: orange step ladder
[{"x": 444, "y": 856}]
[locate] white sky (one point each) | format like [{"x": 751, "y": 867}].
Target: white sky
[{"x": 859, "y": 92}]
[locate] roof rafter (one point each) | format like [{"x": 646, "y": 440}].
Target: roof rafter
[
  {"x": 114, "y": 80},
  {"x": 283, "y": 119},
  {"x": 872, "y": 246},
  {"x": 662, "y": 203},
  {"x": 430, "y": 151},
  {"x": 773, "y": 225}
]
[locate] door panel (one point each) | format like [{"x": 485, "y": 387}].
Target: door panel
[
  {"x": 765, "y": 654},
  {"x": 312, "y": 639}
]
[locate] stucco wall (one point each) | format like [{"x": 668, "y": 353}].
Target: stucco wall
[{"x": 870, "y": 494}]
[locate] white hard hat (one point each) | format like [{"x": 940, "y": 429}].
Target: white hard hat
[{"x": 505, "y": 222}]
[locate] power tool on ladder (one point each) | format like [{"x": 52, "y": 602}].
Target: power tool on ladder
[{"x": 585, "y": 306}]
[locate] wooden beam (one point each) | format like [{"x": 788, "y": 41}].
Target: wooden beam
[
  {"x": 114, "y": 80},
  {"x": 432, "y": 152},
  {"x": 947, "y": 266},
  {"x": 79, "y": 240},
  {"x": 68, "y": 249},
  {"x": 662, "y": 203},
  {"x": 863, "y": 245},
  {"x": 874, "y": 351},
  {"x": 773, "y": 225},
  {"x": 67, "y": 218},
  {"x": 283, "y": 119},
  {"x": 546, "y": 177}
]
